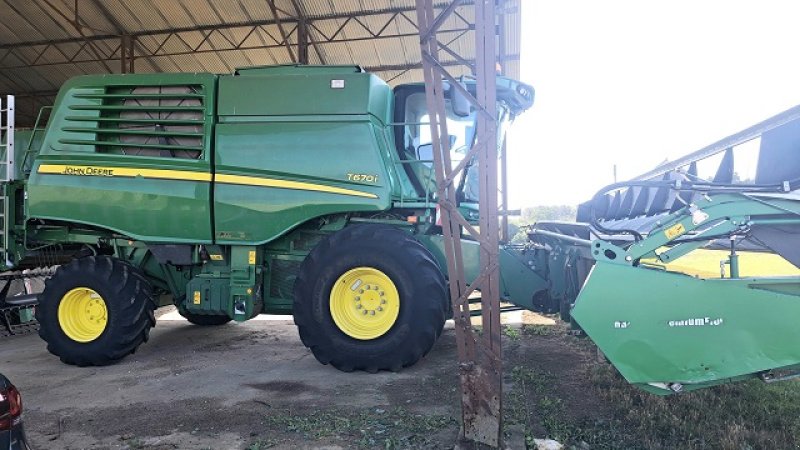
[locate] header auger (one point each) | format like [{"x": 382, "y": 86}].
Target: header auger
[{"x": 308, "y": 190}]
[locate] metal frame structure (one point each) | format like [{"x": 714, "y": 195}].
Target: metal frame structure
[
  {"x": 290, "y": 35},
  {"x": 503, "y": 160},
  {"x": 480, "y": 357}
]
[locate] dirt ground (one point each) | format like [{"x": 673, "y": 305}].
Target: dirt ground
[
  {"x": 250, "y": 385},
  {"x": 254, "y": 386}
]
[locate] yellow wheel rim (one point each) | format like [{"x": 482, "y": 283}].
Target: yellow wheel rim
[
  {"x": 82, "y": 314},
  {"x": 364, "y": 303}
]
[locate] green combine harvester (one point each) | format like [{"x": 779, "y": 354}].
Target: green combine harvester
[{"x": 308, "y": 190}]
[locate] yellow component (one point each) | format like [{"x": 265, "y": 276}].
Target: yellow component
[
  {"x": 251, "y": 257},
  {"x": 216, "y": 257},
  {"x": 188, "y": 175},
  {"x": 674, "y": 231},
  {"x": 129, "y": 172},
  {"x": 286, "y": 184},
  {"x": 82, "y": 314},
  {"x": 196, "y": 299},
  {"x": 364, "y": 303},
  {"x": 704, "y": 263}
]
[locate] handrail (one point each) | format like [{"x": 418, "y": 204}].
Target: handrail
[{"x": 28, "y": 149}]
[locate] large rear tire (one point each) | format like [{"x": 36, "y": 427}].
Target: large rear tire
[
  {"x": 95, "y": 311},
  {"x": 370, "y": 297}
]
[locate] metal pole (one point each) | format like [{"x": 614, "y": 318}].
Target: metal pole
[
  {"x": 123, "y": 48},
  {"x": 502, "y": 50},
  {"x": 126, "y": 53},
  {"x": 501, "y": 31},
  {"x": 490, "y": 356},
  {"x": 504, "y": 193},
  {"x": 480, "y": 365},
  {"x": 131, "y": 53},
  {"x": 302, "y": 41}
]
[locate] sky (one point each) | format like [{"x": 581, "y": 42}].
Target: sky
[{"x": 633, "y": 83}]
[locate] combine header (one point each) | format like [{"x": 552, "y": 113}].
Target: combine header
[
  {"x": 308, "y": 190},
  {"x": 619, "y": 274}
]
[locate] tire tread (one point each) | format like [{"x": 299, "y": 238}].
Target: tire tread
[
  {"x": 132, "y": 301},
  {"x": 429, "y": 316}
]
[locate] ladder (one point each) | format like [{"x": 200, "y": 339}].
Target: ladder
[{"x": 7, "y": 173}]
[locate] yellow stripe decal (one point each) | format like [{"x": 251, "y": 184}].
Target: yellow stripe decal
[
  {"x": 187, "y": 175},
  {"x": 130, "y": 172},
  {"x": 286, "y": 184}
]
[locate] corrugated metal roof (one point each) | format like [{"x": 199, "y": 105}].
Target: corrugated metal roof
[{"x": 42, "y": 45}]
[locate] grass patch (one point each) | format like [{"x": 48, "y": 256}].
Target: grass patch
[
  {"x": 745, "y": 415},
  {"x": 511, "y": 333},
  {"x": 539, "y": 330},
  {"x": 533, "y": 404},
  {"x": 739, "y": 416},
  {"x": 395, "y": 428},
  {"x": 262, "y": 444}
]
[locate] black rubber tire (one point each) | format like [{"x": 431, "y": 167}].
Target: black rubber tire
[
  {"x": 424, "y": 302},
  {"x": 129, "y": 302},
  {"x": 204, "y": 320}
]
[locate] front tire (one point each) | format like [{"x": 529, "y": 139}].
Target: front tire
[
  {"x": 95, "y": 310},
  {"x": 370, "y": 297}
]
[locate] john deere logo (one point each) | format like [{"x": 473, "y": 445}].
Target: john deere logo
[{"x": 88, "y": 170}]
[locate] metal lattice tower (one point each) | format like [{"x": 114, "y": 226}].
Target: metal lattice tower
[{"x": 480, "y": 358}]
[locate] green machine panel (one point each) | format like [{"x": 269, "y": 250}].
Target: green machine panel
[
  {"x": 661, "y": 328},
  {"x": 129, "y": 153},
  {"x": 303, "y": 90},
  {"x": 208, "y": 295},
  {"x": 266, "y": 185},
  {"x": 298, "y": 142}
]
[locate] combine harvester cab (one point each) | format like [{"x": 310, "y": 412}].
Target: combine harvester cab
[{"x": 631, "y": 273}]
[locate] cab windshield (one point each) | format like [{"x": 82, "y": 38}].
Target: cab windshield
[{"x": 415, "y": 143}]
